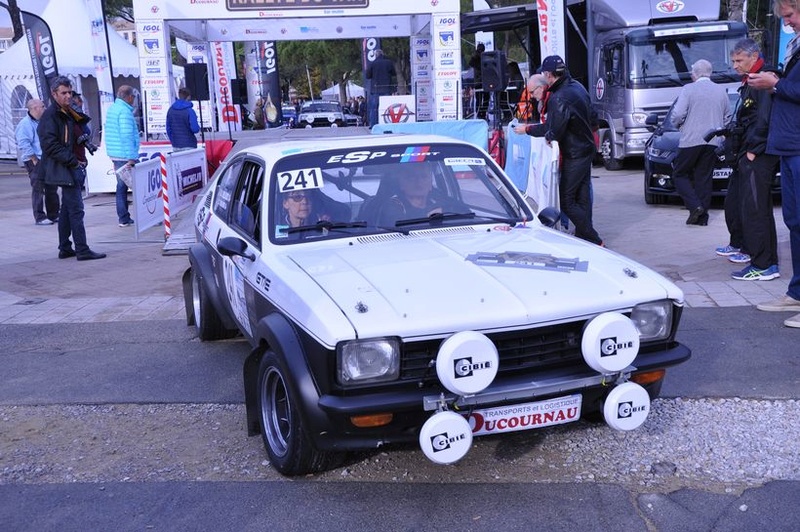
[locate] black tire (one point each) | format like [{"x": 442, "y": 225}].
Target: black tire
[
  {"x": 205, "y": 317},
  {"x": 288, "y": 446},
  {"x": 607, "y": 151}
]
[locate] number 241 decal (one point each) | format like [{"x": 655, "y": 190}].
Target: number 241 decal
[{"x": 301, "y": 179}]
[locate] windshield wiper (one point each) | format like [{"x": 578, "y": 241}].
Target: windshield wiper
[
  {"x": 436, "y": 217},
  {"x": 658, "y": 77},
  {"x": 324, "y": 225}
]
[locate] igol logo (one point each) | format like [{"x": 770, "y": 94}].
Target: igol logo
[
  {"x": 627, "y": 409},
  {"x": 441, "y": 442},
  {"x": 464, "y": 367},
  {"x": 610, "y": 346}
]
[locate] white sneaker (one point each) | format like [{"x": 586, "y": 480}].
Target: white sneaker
[
  {"x": 782, "y": 304},
  {"x": 794, "y": 321}
]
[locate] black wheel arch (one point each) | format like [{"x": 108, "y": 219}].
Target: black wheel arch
[
  {"x": 277, "y": 333},
  {"x": 200, "y": 261}
]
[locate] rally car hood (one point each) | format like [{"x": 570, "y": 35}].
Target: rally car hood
[{"x": 475, "y": 279}]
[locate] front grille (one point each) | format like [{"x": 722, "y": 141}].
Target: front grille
[{"x": 519, "y": 351}]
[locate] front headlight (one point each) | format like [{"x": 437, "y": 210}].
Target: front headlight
[
  {"x": 653, "y": 320},
  {"x": 368, "y": 361},
  {"x": 639, "y": 119},
  {"x": 657, "y": 153}
]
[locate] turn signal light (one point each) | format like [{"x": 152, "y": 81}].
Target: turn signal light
[
  {"x": 371, "y": 420},
  {"x": 648, "y": 377}
]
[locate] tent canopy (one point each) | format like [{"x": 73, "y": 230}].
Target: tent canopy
[
  {"x": 352, "y": 90},
  {"x": 71, "y": 27}
]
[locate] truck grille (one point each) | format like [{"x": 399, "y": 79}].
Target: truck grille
[{"x": 519, "y": 351}]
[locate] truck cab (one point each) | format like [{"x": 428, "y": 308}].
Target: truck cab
[{"x": 640, "y": 70}]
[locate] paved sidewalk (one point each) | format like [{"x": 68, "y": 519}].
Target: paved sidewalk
[{"x": 137, "y": 281}]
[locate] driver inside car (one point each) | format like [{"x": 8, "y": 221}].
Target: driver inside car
[{"x": 415, "y": 197}]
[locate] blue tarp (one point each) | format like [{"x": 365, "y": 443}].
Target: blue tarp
[{"x": 473, "y": 131}]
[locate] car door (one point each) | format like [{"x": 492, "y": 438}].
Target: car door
[{"x": 245, "y": 224}]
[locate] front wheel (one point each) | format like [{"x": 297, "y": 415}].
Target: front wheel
[
  {"x": 607, "y": 151},
  {"x": 289, "y": 448}
]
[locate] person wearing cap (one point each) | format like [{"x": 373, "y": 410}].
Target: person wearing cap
[{"x": 571, "y": 122}]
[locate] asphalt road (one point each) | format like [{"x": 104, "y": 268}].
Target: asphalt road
[{"x": 159, "y": 362}]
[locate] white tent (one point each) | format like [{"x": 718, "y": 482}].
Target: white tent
[
  {"x": 70, "y": 25},
  {"x": 351, "y": 91}
]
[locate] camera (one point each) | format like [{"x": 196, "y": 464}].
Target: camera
[
  {"x": 85, "y": 141},
  {"x": 732, "y": 132}
]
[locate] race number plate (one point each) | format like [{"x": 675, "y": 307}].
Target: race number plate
[{"x": 526, "y": 416}]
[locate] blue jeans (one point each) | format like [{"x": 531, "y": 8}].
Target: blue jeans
[
  {"x": 122, "y": 196},
  {"x": 790, "y": 200}
]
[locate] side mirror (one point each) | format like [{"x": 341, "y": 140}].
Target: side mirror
[
  {"x": 549, "y": 216},
  {"x": 231, "y": 246},
  {"x": 651, "y": 121}
]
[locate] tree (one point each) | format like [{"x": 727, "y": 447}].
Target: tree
[{"x": 118, "y": 9}]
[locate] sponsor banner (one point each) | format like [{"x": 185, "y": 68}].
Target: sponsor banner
[
  {"x": 368, "y": 47},
  {"x": 187, "y": 174},
  {"x": 148, "y": 199},
  {"x": 154, "y": 60},
  {"x": 223, "y": 69},
  {"x": 525, "y": 416},
  {"x": 446, "y": 77},
  {"x": 270, "y": 83},
  {"x": 102, "y": 70},
  {"x": 43, "y": 53},
  {"x": 425, "y": 101},
  {"x": 396, "y": 109},
  {"x": 270, "y": 9},
  {"x": 551, "y": 28}
]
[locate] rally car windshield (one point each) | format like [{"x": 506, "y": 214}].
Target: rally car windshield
[{"x": 337, "y": 194}]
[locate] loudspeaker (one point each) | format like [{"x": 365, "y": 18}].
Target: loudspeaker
[
  {"x": 197, "y": 80},
  {"x": 239, "y": 91},
  {"x": 494, "y": 74}
]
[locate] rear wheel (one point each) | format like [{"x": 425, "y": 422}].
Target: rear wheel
[
  {"x": 289, "y": 448},
  {"x": 607, "y": 151},
  {"x": 208, "y": 323}
]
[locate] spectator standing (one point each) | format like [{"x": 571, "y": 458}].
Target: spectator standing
[
  {"x": 481, "y": 103},
  {"x": 571, "y": 122},
  {"x": 532, "y": 104},
  {"x": 751, "y": 221},
  {"x": 122, "y": 145},
  {"x": 381, "y": 73},
  {"x": 182, "y": 125},
  {"x": 61, "y": 166},
  {"x": 44, "y": 198},
  {"x": 783, "y": 140},
  {"x": 701, "y": 105}
]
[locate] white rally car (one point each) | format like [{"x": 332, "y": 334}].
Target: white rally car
[{"x": 398, "y": 288}]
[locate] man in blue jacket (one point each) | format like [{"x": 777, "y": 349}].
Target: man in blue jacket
[
  {"x": 783, "y": 139},
  {"x": 122, "y": 144},
  {"x": 182, "y": 122}
]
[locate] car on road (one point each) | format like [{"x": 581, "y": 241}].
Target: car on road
[
  {"x": 399, "y": 288},
  {"x": 321, "y": 113},
  {"x": 289, "y": 116},
  {"x": 659, "y": 156}
]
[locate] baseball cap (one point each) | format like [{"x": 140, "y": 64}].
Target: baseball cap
[{"x": 553, "y": 63}]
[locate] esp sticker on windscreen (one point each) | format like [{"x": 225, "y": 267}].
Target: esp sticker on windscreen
[{"x": 300, "y": 179}]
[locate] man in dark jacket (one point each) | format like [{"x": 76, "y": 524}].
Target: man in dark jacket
[
  {"x": 182, "y": 122},
  {"x": 571, "y": 122},
  {"x": 380, "y": 73},
  {"x": 748, "y": 204},
  {"x": 783, "y": 140},
  {"x": 63, "y": 167}
]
